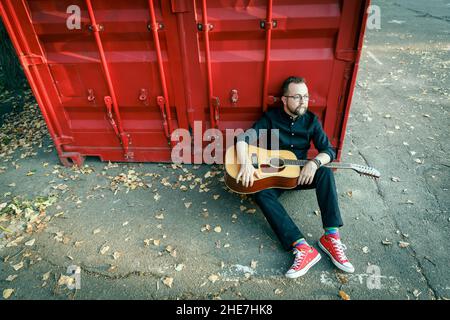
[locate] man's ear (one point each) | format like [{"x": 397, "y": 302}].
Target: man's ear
[{"x": 284, "y": 100}]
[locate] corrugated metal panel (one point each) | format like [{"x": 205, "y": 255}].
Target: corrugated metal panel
[{"x": 224, "y": 74}]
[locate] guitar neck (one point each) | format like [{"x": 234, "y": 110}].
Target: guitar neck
[{"x": 332, "y": 165}]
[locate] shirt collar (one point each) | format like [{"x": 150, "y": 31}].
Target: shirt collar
[{"x": 287, "y": 116}]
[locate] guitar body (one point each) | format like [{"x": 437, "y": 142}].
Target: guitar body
[
  {"x": 272, "y": 176},
  {"x": 277, "y": 169}
]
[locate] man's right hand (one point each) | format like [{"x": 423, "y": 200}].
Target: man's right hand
[{"x": 247, "y": 175}]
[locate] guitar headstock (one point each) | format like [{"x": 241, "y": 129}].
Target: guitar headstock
[{"x": 367, "y": 171}]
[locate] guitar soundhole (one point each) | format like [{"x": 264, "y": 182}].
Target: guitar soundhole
[{"x": 277, "y": 163}]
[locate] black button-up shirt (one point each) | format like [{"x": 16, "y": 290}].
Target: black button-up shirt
[{"x": 294, "y": 135}]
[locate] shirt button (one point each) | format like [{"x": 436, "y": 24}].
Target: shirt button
[
  {"x": 292, "y": 145},
  {"x": 292, "y": 134},
  {"x": 292, "y": 124}
]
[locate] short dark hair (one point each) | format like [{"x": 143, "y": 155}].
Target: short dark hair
[{"x": 288, "y": 81}]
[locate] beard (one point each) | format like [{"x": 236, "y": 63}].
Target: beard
[{"x": 301, "y": 110}]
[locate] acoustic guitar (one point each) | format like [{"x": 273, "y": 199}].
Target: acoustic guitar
[{"x": 277, "y": 168}]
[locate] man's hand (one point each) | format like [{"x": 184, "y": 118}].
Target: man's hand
[
  {"x": 247, "y": 173},
  {"x": 307, "y": 173}
]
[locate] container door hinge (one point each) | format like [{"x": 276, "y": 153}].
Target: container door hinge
[{"x": 125, "y": 139}]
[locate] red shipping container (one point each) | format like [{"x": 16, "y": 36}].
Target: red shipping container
[{"x": 114, "y": 79}]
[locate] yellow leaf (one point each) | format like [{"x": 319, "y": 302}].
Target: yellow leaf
[
  {"x": 104, "y": 249},
  {"x": 343, "y": 295},
  {"x": 116, "y": 255},
  {"x": 168, "y": 281},
  {"x": 46, "y": 276},
  {"x": 7, "y": 293},
  {"x": 213, "y": 278},
  {"x": 65, "y": 280},
  {"x": 18, "y": 266}
]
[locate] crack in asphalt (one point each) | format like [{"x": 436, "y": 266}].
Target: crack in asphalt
[
  {"x": 91, "y": 272},
  {"x": 413, "y": 254},
  {"x": 424, "y": 14},
  {"x": 441, "y": 207}
]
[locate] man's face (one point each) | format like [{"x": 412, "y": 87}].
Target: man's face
[{"x": 296, "y": 99}]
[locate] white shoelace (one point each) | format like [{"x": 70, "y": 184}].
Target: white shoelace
[
  {"x": 340, "y": 248},
  {"x": 299, "y": 255}
]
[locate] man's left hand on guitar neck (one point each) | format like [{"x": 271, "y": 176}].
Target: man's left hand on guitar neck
[{"x": 309, "y": 170}]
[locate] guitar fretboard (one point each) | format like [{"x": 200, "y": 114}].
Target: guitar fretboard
[{"x": 301, "y": 163}]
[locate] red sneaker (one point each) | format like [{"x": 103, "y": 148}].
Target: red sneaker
[
  {"x": 305, "y": 258},
  {"x": 334, "y": 248}
]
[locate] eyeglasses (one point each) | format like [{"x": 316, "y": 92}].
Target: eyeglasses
[{"x": 299, "y": 97}]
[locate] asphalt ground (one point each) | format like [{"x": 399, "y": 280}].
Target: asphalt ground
[{"x": 136, "y": 233}]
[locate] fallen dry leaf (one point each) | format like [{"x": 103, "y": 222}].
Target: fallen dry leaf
[
  {"x": 159, "y": 216},
  {"x": 168, "y": 281},
  {"x": 402, "y": 244},
  {"x": 18, "y": 266},
  {"x": 206, "y": 227},
  {"x": 365, "y": 249},
  {"x": 46, "y": 276},
  {"x": 104, "y": 249},
  {"x": 30, "y": 243},
  {"x": 213, "y": 278},
  {"x": 179, "y": 267},
  {"x": 343, "y": 295},
  {"x": 187, "y": 204},
  {"x": 342, "y": 278},
  {"x": 169, "y": 248},
  {"x": 7, "y": 293},
  {"x": 278, "y": 291},
  {"x": 65, "y": 280},
  {"x": 395, "y": 179},
  {"x": 386, "y": 242},
  {"x": 116, "y": 255},
  {"x": 11, "y": 277},
  {"x": 96, "y": 231},
  {"x": 218, "y": 229},
  {"x": 77, "y": 244},
  {"x": 253, "y": 264}
]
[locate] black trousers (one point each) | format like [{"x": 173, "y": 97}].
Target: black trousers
[{"x": 280, "y": 221}]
